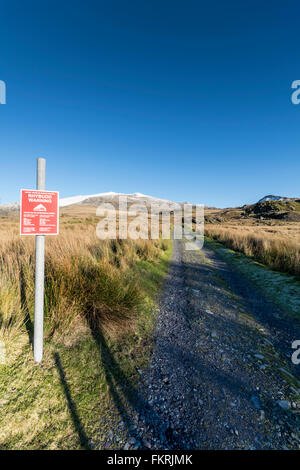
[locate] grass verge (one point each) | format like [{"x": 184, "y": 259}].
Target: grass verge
[
  {"x": 74, "y": 397},
  {"x": 282, "y": 288},
  {"x": 278, "y": 252}
]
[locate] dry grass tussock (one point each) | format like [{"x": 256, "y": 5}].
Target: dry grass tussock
[
  {"x": 277, "y": 249},
  {"x": 87, "y": 281}
]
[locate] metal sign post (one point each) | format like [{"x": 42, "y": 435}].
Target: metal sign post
[
  {"x": 39, "y": 216},
  {"x": 39, "y": 273}
]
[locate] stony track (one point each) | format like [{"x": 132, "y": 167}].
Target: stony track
[{"x": 220, "y": 376}]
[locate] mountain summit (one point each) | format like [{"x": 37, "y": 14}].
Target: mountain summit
[
  {"x": 96, "y": 199},
  {"x": 271, "y": 197}
]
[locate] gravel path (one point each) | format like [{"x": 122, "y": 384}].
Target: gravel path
[{"x": 220, "y": 375}]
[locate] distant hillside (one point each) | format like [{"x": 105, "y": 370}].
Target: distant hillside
[
  {"x": 269, "y": 207},
  {"x": 284, "y": 209},
  {"x": 94, "y": 200}
]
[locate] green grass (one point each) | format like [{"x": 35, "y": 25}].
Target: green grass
[
  {"x": 78, "y": 392},
  {"x": 282, "y": 288}
]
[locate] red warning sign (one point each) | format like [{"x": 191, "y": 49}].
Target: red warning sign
[{"x": 39, "y": 212}]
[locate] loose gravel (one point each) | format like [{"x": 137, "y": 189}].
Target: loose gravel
[{"x": 220, "y": 376}]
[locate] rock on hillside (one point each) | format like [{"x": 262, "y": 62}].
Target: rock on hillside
[{"x": 288, "y": 209}]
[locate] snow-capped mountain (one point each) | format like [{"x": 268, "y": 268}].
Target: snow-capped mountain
[
  {"x": 96, "y": 199},
  {"x": 271, "y": 197}
]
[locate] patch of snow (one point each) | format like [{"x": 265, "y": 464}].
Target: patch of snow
[{"x": 67, "y": 201}]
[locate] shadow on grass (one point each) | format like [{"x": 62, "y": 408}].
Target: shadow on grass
[{"x": 84, "y": 442}]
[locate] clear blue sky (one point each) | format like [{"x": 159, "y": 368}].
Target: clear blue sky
[{"x": 187, "y": 100}]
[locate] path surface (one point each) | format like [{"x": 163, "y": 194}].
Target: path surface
[{"x": 219, "y": 373}]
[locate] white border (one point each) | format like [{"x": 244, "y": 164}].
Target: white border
[{"x": 37, "y": 191}]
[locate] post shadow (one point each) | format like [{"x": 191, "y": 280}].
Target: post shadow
[
  {"x": 84, "y": 442},
  {"x": 116, "y": 377},
  {"x": 24, "y": 306}
]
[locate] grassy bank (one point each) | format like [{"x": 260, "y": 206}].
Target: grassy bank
[
  {"x": 99, "y": 318},
  {"x": 282, "y": 288},
  {"x": 276, "y": 250}
]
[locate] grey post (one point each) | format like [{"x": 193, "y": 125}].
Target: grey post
[{"x": 39, "y": 273}]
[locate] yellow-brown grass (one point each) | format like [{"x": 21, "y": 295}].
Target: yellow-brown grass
[
  {"x": 276, "y": 247},
  {"x": 86, "y": 280}
]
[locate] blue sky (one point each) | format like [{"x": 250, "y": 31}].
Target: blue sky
[{"x": 183, "y": 100}]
